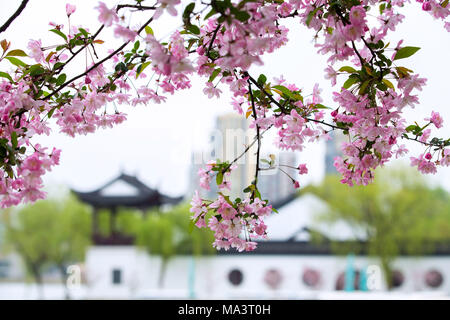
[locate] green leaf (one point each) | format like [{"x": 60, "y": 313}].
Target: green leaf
[
  {"x": 283, "y": 90},
  {"x": 262, "y": 79},
  {"x": 405, "y": 52},
  {"x": 219, "y": 178},
  {"x": 321, "y": 106},
  {"x": 363, "y": 88},
  {"x": 149, "y": 30},
  {"x": 214, "y": 74},
  {"x": 14, "y": 139},
  {"x": 350, "y": 81},
  {"x": 59, "y": 33},
  {"x": 388, "y": 83},
  {"x": 5, "y": 75},
  {"x": 188, "y": 10},
  {"x": 121, "y": 67},
  {"x": 311, "y": 15},
  {"x": 142, "y": 67},
  {"x": 50, "y": 113},
  {"x": 193, "y": 29},
  {"x": 242, "y": 16},
  {"x": 84, "y": 32},
  {"x": 210, "y": 14},
  {"x": 36, "y": 70},
  {"x": 382, "y": 86},
  {"x": 58, "y": 65},
  {"x": 412, "y": 128},
  {"x": 61, "y": 79},
  {"x": 347, "y": 69},
  {"x": 136, "y": 45},
  {"x": 9, "y": 171},
  {"x": 16, "y": 53},
  {"x": 16, "y": 62}
]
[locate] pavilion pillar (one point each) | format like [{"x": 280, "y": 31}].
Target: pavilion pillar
[
  {"x": 112, "y": 221},
  {"x": 95, "y": 226}
]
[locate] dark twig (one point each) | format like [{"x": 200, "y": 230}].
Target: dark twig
[
  {"x": 14, "y": 16},
  {"x": 212, "y": 39},
  {"x": 81, "y": 49},
  {"x": 135, "y": 6},
  {"x": 258, "y": 137},
  {"x": 283, "y": 110},
  {"x": 96, "y": 64}
]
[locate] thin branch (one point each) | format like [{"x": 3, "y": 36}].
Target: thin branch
[
  {"x": 282, "y": 107},
  {"x": 437, "y": 145},
  {"x": 96, "y": 64},
  {"x": 135, "y": 6},
  {"x": 79, "y": 50},
  {"x": 212, "y": 40},
  {"x": 14, "y": 16},
  {"x": 271, "y": 98},
  {"x": 246, "y": 149},
  {"x": 258, "y": 137}
]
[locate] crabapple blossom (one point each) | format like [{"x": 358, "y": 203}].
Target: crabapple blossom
[
  {"x": 70, "y": 9},
  {"x": 221, "y": 41}
]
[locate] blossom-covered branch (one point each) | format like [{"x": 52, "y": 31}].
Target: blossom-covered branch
[{"x": 220, "y": 41}]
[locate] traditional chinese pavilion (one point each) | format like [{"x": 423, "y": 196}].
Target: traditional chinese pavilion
[{"x": 125, "y": 191}]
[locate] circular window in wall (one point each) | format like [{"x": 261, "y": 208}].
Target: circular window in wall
[
  {"x": 273, "y": 278},
  {"x": 340, "y": 281},
  {"x": 434, "y": 279},
  {"x": 235, "y": 277},
  {"x": 311, "y": 278},
  {"x": 397, "y": 278}
]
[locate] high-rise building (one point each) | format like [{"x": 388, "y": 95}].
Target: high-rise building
[
  {"x": 229, "y": 141},
  {"x": 275, "y": 185},
  {"x": 333, "y": 149}
]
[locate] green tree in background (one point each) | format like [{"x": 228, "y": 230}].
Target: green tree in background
[
  {"x": 399, "y": 212},
  {"x": 170, "y": 233},
  {"x": 49, "y": 233}
]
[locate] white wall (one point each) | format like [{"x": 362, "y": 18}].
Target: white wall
[{"x": 141, "y": 272}]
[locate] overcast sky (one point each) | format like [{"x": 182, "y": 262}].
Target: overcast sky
[{"x": 157, "y": 140}]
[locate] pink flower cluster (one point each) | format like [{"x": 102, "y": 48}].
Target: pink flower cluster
[
  {"x": 235, "y": 225},
  {"x": 222, "y": 49}
]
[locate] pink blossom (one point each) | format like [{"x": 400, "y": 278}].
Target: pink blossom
[
  {"x": 35, "y": 47},
  {"x": 426, "y": 6},
  {"x": 70, "y": 9},
  {"x": 357, "y": 15},
  {"x": 331, "y": 74},
  {"x": 125, "y": 33},
  {"x": 436, "y": 119},
  {"x": 107, "y": 16},
  {"x": 211, "y": 91},
  {"x": 302, "y": 169}
]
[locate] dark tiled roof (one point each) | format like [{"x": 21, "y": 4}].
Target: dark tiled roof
[{"x": 146, "y": 197}]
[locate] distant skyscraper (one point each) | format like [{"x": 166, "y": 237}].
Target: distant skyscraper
[
  {"x": 229, "y": 140},
  {"x": 275, "y": 185},
  {"x": 333, "y": 149}
]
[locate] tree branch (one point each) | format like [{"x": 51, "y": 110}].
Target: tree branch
[
  {"x": 258, "y": 137},
  {"x": 282, "y": 108},
  {"x": 96, "y": 64},
  {"x": 135, "y": 6},
  {"x": 14, "y": 16},
  {"x": 79, "y": 50}
]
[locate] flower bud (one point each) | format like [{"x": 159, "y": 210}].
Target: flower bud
[{"x": 426, "y": 6}]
